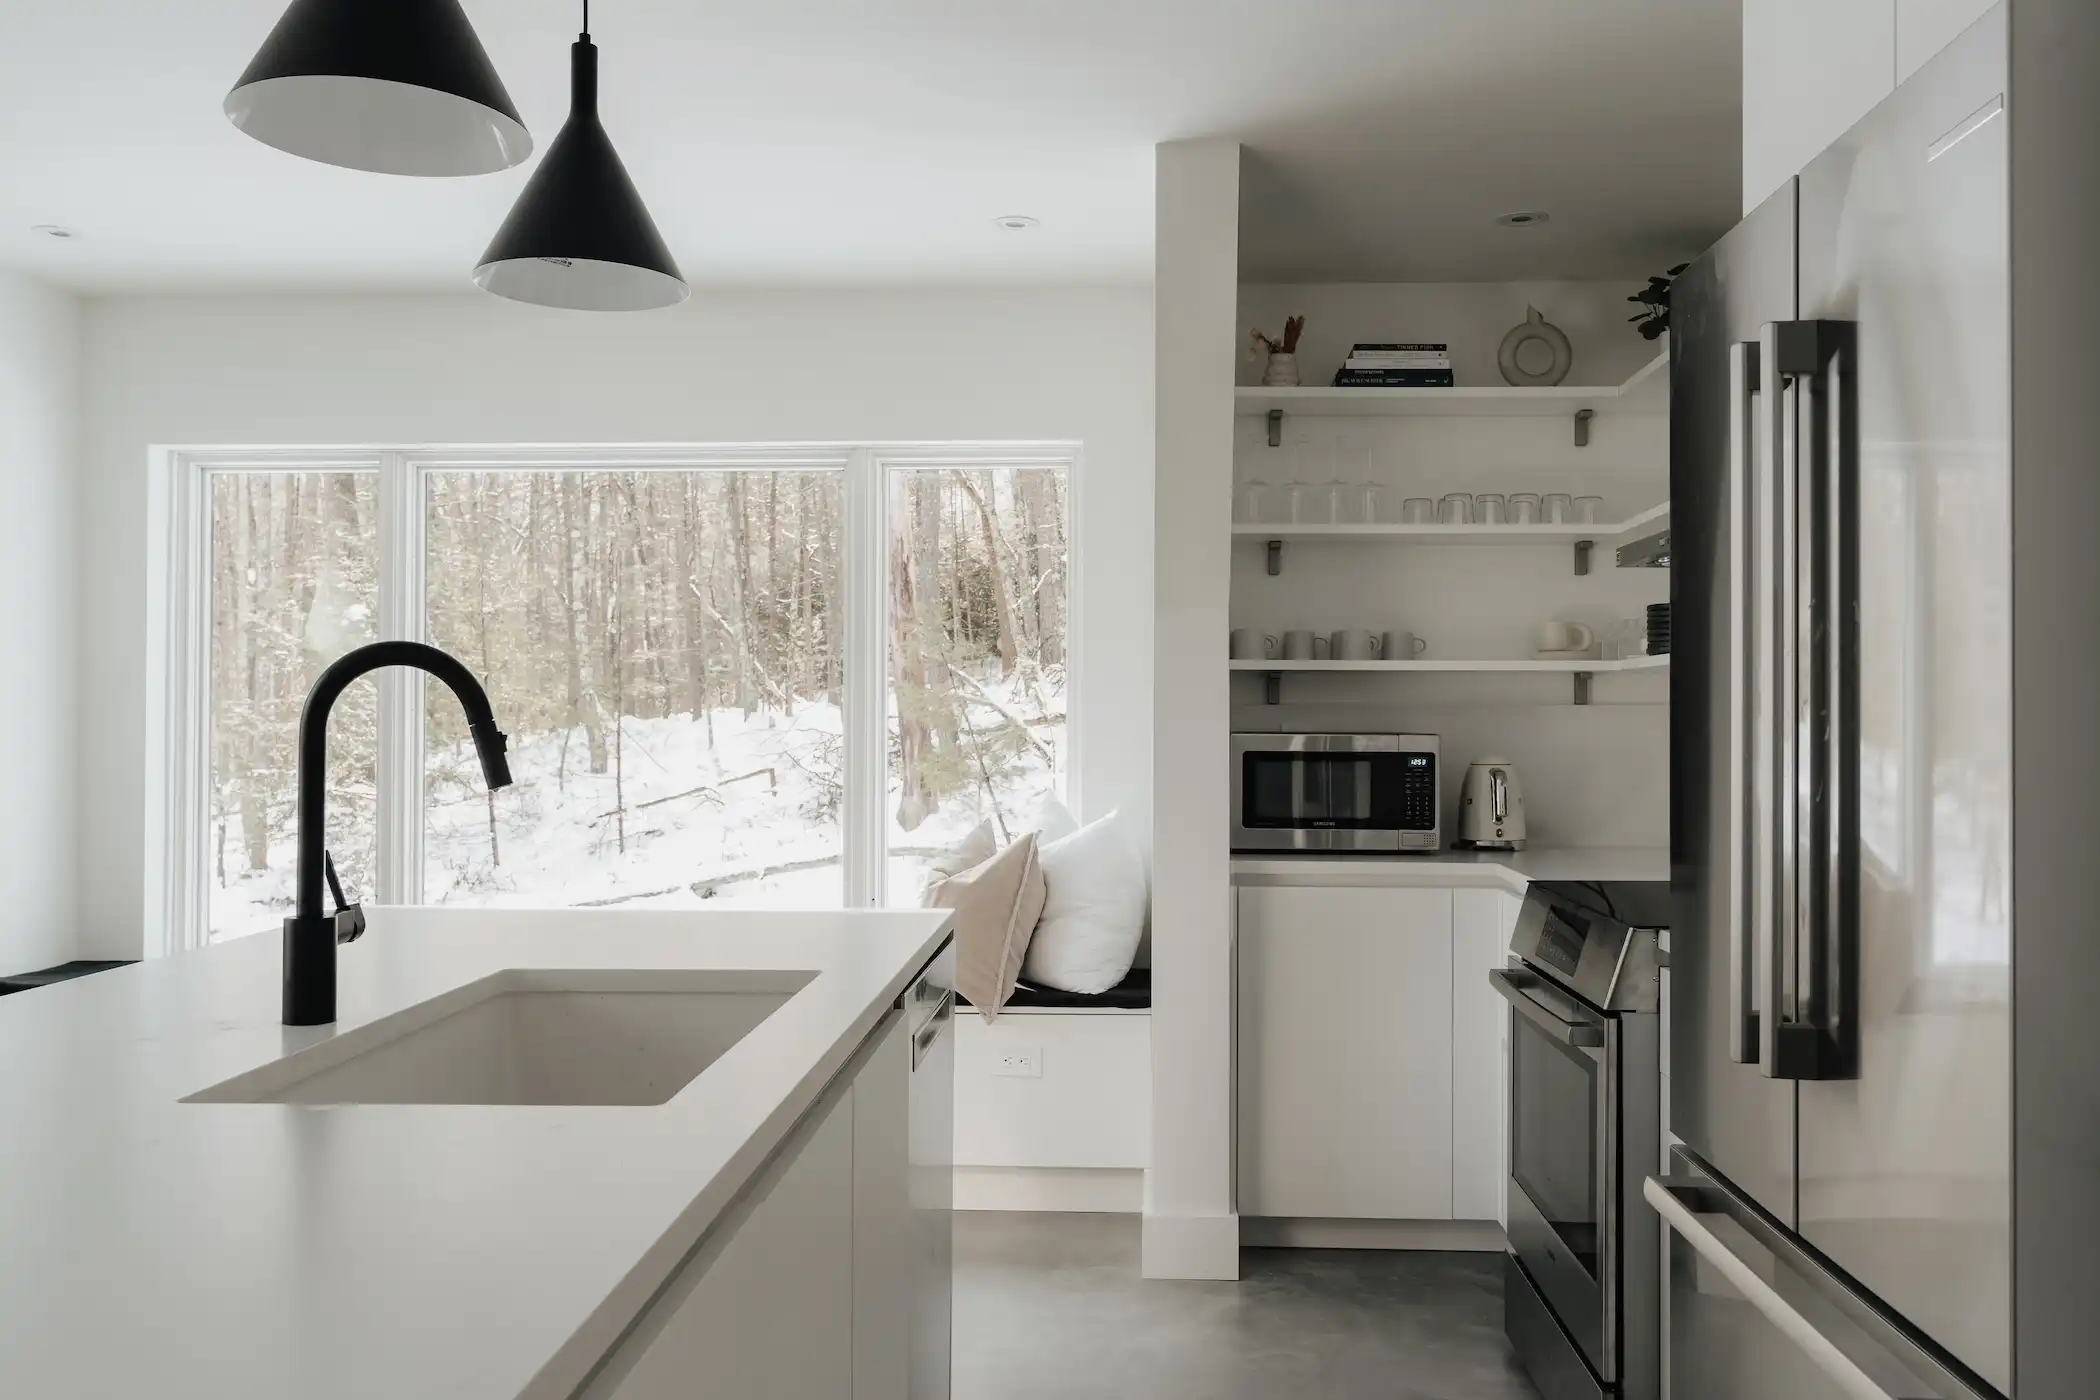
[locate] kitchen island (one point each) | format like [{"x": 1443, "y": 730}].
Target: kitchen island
[{"x": 496, "y": 1246}]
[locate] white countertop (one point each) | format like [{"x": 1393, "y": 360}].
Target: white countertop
[
  {"x": 150, "y": 1247},
  {"x": 1505, "y": 870}
]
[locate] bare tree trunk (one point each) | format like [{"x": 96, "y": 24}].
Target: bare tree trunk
[
  {"x": 1002, "y": 590},
  {"x": 254, "y": 796},
  {"x": 689, "y": 601}
]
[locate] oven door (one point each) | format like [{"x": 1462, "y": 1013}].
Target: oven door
[{"x": 1563, "y": 1158}]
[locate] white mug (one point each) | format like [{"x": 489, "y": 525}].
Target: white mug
[
  {"x": 1354, "y": 644},
  {"x": 1565, "y": 636},
  {"x": 1250, "y": 645},
  {"x": 1402, "y": 646},
  {"x": 1301, "y": 645}
]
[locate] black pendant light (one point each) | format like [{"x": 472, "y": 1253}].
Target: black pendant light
[
  {"x": 579, "y": 236},
  {"x": 401, "y": 87}
]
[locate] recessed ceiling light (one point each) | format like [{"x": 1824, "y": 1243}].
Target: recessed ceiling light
[
  {"x": 58, "y": 231},
  {"x": 1015, "y": 223},
  {"x": 1523, "y": 218}
]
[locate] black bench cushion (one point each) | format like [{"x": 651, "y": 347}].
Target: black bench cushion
[{"x": 1133, "y": 993}]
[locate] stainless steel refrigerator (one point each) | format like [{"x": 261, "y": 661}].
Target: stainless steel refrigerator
[{"x": 1885, "y": 1001}]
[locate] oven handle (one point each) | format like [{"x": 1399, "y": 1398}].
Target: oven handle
[{"x": 1575, "y": 1033}]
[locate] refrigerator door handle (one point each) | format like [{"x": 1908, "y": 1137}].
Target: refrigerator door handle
[
  {"x": 1813, "y": 974},
  {"x": 1687, "y": 1201},
  {"x": 1842, "y": 1369},
  {"x": 1743, "y": 385},
  {"x": 1774, "y": 669}
]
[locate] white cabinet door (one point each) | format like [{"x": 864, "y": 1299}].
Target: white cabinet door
[
  {"x": 1344, "y": 1048},
  {"x": 764, "y": 1311},
  {"x": 1924, "y": 27},
  {"x": 1479, "y": 1074},
  {"x": 1811, "y": 68},
  {"x": 884, "y": 1240}
]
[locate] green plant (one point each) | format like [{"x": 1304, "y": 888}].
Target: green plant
[{"x": 1654, "y": 299}]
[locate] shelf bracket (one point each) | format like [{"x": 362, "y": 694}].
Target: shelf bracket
[
  {"x": 1582, "y": 687},
  {"x": 1275, "y": 427},
  {"x": 1275, "y": 557},
  {"x": 1582, "y": 557},
  {"x": 1582, "y": 426},
  {"x": 1272, "y": 688}
]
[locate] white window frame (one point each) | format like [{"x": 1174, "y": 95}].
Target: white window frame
[{"x": 177, "y": 893}]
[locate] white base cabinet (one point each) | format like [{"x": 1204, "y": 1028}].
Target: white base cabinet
[
  {"x": 1344, "y": 1042},
  {"x": 815, "y": 1285},
  {"x": 1372, "y": 1055}
]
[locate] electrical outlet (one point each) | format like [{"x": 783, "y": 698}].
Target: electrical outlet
[{"x": 1023, "y": 1063}]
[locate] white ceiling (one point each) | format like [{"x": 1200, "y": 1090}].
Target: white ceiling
[{"x": 873, "y": 141}]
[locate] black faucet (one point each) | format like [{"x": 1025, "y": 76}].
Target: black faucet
[{"x": 310, "y": 936}]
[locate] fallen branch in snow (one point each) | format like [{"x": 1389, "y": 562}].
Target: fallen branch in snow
[
  {"x": 704, "y": 790},
  {"x": 625, "y": 898},
  {"x": 706, "y": 888}
]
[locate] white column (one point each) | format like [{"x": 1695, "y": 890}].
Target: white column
[{"x": 1191, "y": 1230}]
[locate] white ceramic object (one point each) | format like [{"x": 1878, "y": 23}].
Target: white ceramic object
[
  {"x": 1535, "y": 329},
  {"x": 1281, "y": 371},
  {"x": 1402, "y": 646},
  {"x": 1250, "y": 645},
  {"x": 1354, "y": 644},
  {"x": 1564, "y": 638}
]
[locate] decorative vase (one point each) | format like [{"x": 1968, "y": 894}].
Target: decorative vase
[
  {"x": 1282, "y": 372},
  {"x": 1535, "y": 328}
]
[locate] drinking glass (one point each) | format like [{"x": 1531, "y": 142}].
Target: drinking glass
[
  {"x": 1252, "y": 502},
  {"x": 1417, "y": 510},
  {"x": 1490, "y": 509},
  {"x": 1589, "y": 510},
  {"x": 1557, "y": 508},
  {"x": 1524, "y": 509},
  {"x": 1455, "y": 509},
  {"x": 1374, "y": 503},
  {"x": 1309, "y": 504},
  {"x": 1339, "y": 500}
]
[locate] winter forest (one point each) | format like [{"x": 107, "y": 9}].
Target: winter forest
[{"x": 666, "y": 650}]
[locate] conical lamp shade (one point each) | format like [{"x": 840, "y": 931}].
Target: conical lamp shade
[
  {"x": 579, "y": 236},
  {"x": 401, "y": 87}
]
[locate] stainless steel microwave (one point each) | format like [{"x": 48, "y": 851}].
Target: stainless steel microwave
[{"x": 1336, "y": 792}]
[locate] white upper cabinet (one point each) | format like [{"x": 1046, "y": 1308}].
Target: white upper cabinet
[
  {"x": 1811, "y": 68},
  {"x": 1924, "y": 27}
]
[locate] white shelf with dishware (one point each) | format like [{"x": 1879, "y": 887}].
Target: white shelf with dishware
[{"x": 1636, "y": 536}]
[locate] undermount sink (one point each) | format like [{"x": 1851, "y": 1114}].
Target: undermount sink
[{"x": 531, "y": 1037}]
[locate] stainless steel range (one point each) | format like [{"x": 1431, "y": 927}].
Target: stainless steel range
[{"x": 1582, "y": 1290}]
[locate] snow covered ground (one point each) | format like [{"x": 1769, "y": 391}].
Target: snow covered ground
[{"x": 751, "y": 820}]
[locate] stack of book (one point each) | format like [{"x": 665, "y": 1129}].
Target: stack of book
[{"x": 1423, "y": 365}]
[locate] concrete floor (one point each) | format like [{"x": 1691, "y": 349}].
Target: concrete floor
[{"x": 1050, "y": 1307}]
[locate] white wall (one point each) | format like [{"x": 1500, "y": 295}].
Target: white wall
[
  {"x": 1811, "y": 68},
  {"x": 1191, "y": 1230},
  {"x": 39, "y": 412},
  {"x": 727, "y": 367}
]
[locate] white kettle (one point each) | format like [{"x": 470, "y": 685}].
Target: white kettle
[{"x": 1491, "y": 811}]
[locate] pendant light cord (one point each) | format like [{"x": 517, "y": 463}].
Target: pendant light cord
[{"x": 586, "y": 19}]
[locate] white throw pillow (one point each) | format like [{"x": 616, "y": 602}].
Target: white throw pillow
[
  {"x": 1093, "y": 910},
  {"x": 978, "y": 845},
  {"x": 1052, "y": 821}
]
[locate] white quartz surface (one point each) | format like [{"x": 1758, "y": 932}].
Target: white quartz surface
[
  {"x": 150, "y": 1247},
  {"x": 1507, "y": 870}
]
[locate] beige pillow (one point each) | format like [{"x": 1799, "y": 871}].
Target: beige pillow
[
  {"x": 977, "y": 846},
  {"x": 996, "y": 906}
]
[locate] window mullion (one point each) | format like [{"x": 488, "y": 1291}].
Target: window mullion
[
  {"x": 867, "y": 655},
  {"x": 400, "y": 775}
]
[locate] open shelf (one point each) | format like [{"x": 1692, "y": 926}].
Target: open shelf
[
  {"x": 1440, "y": 534},
  {"x": 1647, "y": 392},
  {"x": 1562, "y": 668}
]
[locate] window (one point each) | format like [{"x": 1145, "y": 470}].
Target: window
[
  {"x": 977, "y": 605},
  {"x": 772, "y": 676}
]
